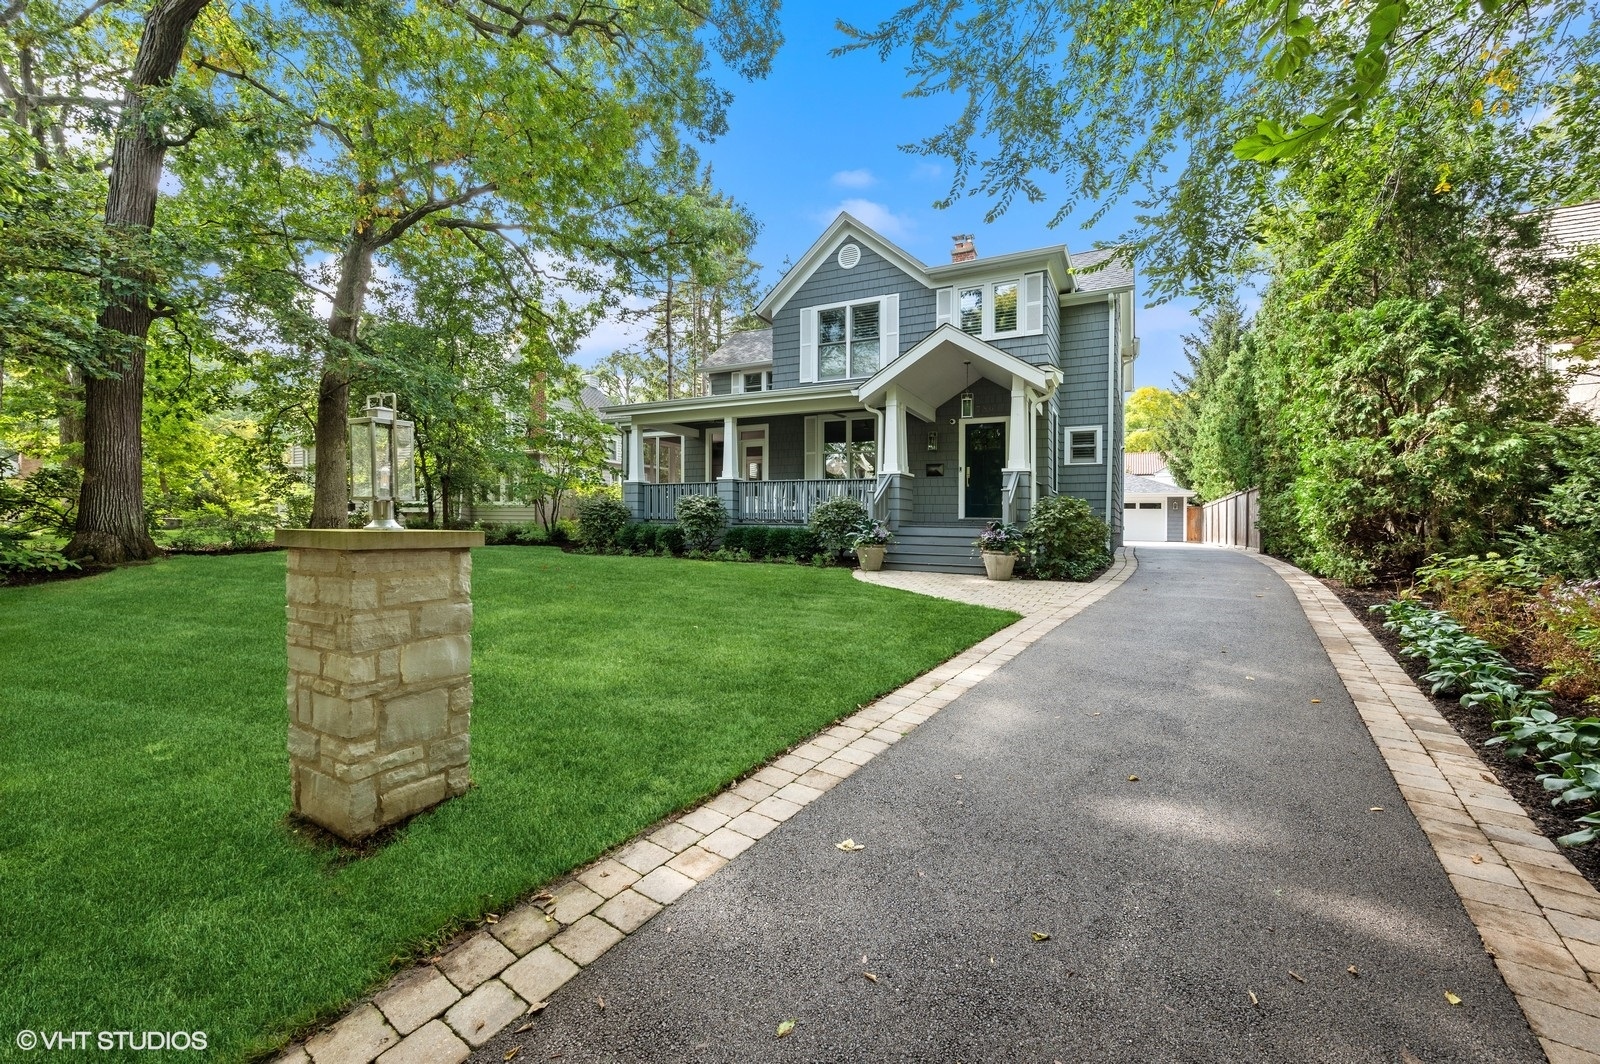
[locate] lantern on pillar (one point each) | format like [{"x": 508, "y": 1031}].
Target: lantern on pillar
[{"x": 383, "y": 460}]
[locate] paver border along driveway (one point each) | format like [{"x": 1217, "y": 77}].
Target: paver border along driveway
[
  {"x": 1538, "y": 916},
  {"x": 438, "y": 1013}
]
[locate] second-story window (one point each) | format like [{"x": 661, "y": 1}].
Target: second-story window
[
  {"x": 848, "y": 341},
  {"x": 970, "y": 310},
  {"x": 753, "y": 381}
]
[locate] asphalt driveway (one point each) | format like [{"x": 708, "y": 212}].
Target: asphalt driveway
[{"x": 1259, "y": 893}]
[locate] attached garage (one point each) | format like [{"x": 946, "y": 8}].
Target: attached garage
[{"x": 1153, "y": 511}]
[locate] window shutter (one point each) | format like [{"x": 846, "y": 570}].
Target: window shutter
[
  {"x": 889, "y": 328},
  {"x": 808, "y": 346},
  {"x": 814, "y": 448},
  {"x": 944, "y": 307},
  {"x": 1033, "y": 303}
]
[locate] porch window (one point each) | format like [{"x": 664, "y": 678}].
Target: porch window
[
  {"x": 849, "y": 448},
  {"x": 848, "y": 341},
  {"x": 663, "y": 459}
]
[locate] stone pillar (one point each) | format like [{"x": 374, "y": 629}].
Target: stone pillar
[{"x": 380, "y": 673}]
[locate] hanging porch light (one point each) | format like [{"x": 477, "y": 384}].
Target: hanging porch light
[
  {"x": 383, "y": 460},
  {"x": 966, "y": 396}
]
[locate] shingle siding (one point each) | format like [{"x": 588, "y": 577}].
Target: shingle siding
[
  {"x": 935, "y": 500},
  {"x": 873, "y": 276},
  {"x": 1086, "y": 380}
]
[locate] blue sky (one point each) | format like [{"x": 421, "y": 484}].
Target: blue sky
[{"x": 821, "y": 135}]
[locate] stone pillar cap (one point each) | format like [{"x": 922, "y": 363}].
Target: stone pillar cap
[{"x": 376, "y": 539}]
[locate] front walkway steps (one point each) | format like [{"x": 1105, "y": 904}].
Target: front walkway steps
[
  {"x": 1538, "y": 917},
  {"x": 438, "y": 1013}
]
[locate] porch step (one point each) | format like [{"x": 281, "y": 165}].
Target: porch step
[{"x": 935, "y": 549}]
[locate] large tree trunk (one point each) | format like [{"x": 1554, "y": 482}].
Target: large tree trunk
[
  {"x": 111, "y": 526},
  {"x": 330, "y": 506}
]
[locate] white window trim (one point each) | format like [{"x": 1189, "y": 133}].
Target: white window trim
[
  {"x": 948, "y": 303},
  {"x": 1066, "y": 445},
  {"x": 888, "y": 337},
  {"x": 816, "y": 459},
  {"x": 961, "y": 458},
  {"x": 736, "y": 380}
]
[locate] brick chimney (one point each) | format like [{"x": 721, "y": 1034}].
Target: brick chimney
[{"x": 964, "y": 250}]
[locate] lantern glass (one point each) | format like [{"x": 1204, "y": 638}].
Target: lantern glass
[
  {"x": 405, "y": 470},
  {"x": 966, "y": 404},
  {"x": 361, "y": 463},
  {"x": 383, "y": 457}
]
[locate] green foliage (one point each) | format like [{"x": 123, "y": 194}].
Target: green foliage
[
  {"x": 870, "y": 534},
  {"x": 600, "y": 522},
  {"x": 1147, "y": 412},
  {"x": 1067, "y": 540},
  {"x": 36, "y": 516},
  {"x": 702, "y": 519},
  {"x": 1564, "y": 535},
  {"x": 833, "y": 521}
]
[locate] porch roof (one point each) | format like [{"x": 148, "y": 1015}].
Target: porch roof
[
  {"x": 672, "y": 413},
  {"x": 939, "y": 366}
]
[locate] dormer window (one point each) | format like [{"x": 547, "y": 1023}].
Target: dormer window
[
  {"x": 971, "y": 304},
  {"x": 754, "y": 382},
  {"x": 1011, "y": 306}
]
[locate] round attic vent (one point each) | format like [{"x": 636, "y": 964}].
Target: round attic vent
[{"x": 849, "y": 255}]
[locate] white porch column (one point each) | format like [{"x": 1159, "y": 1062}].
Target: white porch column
[
  {"x": 730, "y": 449},
  {"x": 1017, "y": 438},
  {"x": 894, "y": 435},
  {"x": 635, "y": 454}
]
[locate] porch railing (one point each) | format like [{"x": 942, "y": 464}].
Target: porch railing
[
  {"x": 659, "y": 502},
  {"x": 790, "y": 502},
  {"x": 1008, "y": 502}
]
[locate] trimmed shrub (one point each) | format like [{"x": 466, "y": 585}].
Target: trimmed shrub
[
  {"x": 1067, "y": 540},
  {"x": 735, "y": 537},
  {"x": 756, "y": 540},
  {"x": 628, "y": 538},
  {"x": 670, "y": 538},
  {"x": 833, "y": 521},
  {"x": 702, "y": 519},
  {"x": 600, "y": 522}
]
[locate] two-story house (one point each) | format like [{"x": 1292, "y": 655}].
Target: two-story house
[{"x": 940, "y": 396}]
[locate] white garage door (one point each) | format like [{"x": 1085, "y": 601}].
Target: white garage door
[{"x": 1145, "y": 519}]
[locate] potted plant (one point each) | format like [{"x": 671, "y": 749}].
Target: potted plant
[
  {"x": 870, "y": 541},
  {"x": 999, "y": 543}
]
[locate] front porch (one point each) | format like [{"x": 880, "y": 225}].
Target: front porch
[{"x": 935, "y": 470}]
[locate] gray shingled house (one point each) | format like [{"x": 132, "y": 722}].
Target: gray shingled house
[{"x": 940, "y": 396}]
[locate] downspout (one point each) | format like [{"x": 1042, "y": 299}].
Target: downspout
[{"x": 1111, "y": 400}]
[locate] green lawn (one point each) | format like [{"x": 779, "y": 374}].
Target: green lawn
[{"x": 148, "y": 880}]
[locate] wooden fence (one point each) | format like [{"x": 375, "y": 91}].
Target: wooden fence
[{"x": 1232, "y": 521}]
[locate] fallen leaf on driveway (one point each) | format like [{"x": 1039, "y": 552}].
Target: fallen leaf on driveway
[
  {"x": 1374, "y": 808},
  {"x": 513, "y": 1051},
  {"x": 870, "y": 977},
  {"x": 601, "y": 1002},
  {"x": 1477, "y": 858},
  {"x": 537, "y": 1007},
  {"x": 1316, "y": 701},
  {"x": 1253, "y": 999},
  {"x": 1352, "y": 970},
  {"x": 1296, "y": 976},
  {"x": 1040, "y": 936},
  {"x": 849, "y": 845},
  {"x": 523, "y": 1029},
  {"x": 491, "y": 918},
  {"x": 784, "y": 1028},
  {"x": 1133, "y": 779},
  {"x": 1249, "y": 677},
  {"x": 1451, "y": 998}
]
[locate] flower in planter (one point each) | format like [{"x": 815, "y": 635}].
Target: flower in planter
[
  {"x": 870, "y": 534},
  {"x": 998, "y": 537}
]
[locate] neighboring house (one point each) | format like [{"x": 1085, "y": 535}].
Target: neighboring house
[
  {"x": 500, "y": 504},
  {"x": 1566, "y": 229},
  {"x": 940, "y": 396}
]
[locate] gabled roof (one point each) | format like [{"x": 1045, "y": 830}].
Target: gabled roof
[
  {"x": 750, "y": 348},
  {"x": 944, "y": 359},
  {"x": 1137, "y": 485},
  {"x": 802, "y": 270},
  {"x": 594, "y": 398},
  {"x": 1143, "y": 463}
]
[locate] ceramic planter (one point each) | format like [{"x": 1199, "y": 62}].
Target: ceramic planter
[
  {"x": 871, "y": 556},
  {"x": 998, "y": 565}
]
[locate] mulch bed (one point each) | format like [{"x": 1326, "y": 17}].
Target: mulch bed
[{"x": 1517, "y": 775}]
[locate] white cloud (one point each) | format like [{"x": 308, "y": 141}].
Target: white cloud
[
  {"x": 854, "y": 179},
  {"x": 873, "y": 215}
]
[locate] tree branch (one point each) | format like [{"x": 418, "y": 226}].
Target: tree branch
[
  {"x": 239, "y": 75},
  {"x": 417, "y": 214}
]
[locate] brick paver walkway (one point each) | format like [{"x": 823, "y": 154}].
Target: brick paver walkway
[{"x": 1031, "y": 598}]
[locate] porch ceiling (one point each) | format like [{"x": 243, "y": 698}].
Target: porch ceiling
[{"x": 938, "y": 368}]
